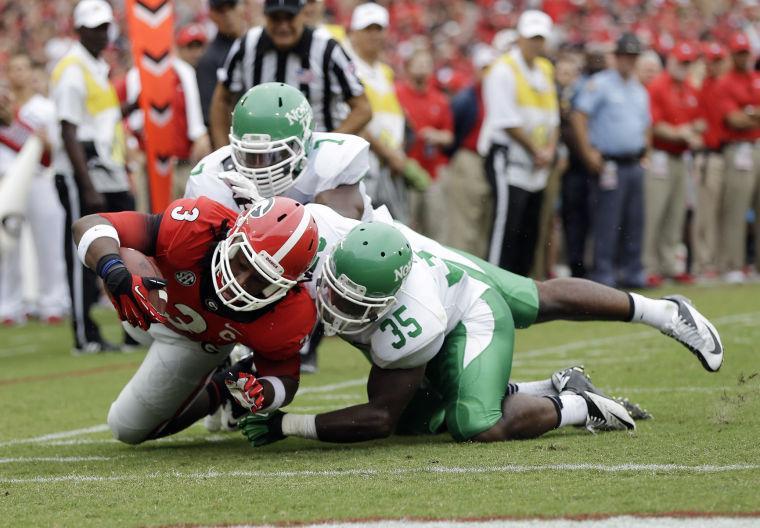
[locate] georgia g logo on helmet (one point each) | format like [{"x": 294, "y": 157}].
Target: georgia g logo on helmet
[{"x": 262, "y": 207}]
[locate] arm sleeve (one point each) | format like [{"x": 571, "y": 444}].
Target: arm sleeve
[
  {"x": 500, "y": 98},
  {"x": 655, "y": 105},
  {"x": 231, "y": 72},
  {"x": 728, "y": 102},
  {"x": 344, "y": 80},
  {"x": 647, "y": 107},
  {"x": 69, "y": 95},
  {"x": 136, "y": 230},
  {"x": 289, "y": 367},
  {"x": 589, "y": 97},
  {"x": 193, "y": 112}
]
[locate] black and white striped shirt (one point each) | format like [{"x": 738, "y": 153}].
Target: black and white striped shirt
[{"x": 317, "y": 65}]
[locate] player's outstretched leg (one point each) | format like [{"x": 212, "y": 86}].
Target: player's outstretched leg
[
  {"x": 674, "y": 316},
  {"x": 527, "y": 416}
]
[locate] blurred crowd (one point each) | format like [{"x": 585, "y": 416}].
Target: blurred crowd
[{"x": 611, "y": 140}]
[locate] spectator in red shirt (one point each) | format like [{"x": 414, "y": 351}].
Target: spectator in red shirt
[
  {"x": 429, "y": 117},
  {"x": 677, "y": 127},
  {"x": 710, "y": 165},
  {"x": 740, "y": 106}
]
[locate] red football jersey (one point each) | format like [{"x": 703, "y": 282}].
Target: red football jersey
[{"x": 182, "y": 241}]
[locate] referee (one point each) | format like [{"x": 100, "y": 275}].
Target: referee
[{"x": 285, "y": 50}]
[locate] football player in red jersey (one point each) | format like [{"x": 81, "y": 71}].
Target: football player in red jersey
[{"x": 230, "y": 278}]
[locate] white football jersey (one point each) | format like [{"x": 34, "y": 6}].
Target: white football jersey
[
  {"x": 435, "y": 296},
  {"x": 334, "y": 160}
]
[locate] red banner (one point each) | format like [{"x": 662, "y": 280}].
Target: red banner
[{"x": 151, "y": 33}]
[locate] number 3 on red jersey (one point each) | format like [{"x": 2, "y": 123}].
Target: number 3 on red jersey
[{"x": 181, "y": 214}]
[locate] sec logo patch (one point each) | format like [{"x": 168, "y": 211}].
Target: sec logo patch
[{"x": 185, "y": 278}]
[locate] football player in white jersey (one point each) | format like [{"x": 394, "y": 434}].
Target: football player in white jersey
[
  {"x": 273, "y": 146},
  {"x": 438, "y": 327}
]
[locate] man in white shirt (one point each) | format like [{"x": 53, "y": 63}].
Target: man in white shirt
[
  {"x": 519, "y": 140},
  {"x": 90, "y": 171}
]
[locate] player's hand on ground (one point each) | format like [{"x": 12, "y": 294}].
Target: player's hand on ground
[
  {"x": 262, "y": 429},
  {"x": 246, "y": 390},
  {"x": 129, "y": 295},
  {"x": 241, "y": 186}
]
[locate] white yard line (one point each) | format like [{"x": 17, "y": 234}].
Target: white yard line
[
  {"x": 54, "y": 436},
  {"x": 333, "y": 386},
  {"x": 622, "y": 521},
  {"x": 62, "y": 459},
  {"x": 749, "y": 318},
  {"x": 214, "y": 438},
  {"x": 321, "y": 408},
  {"x": 103, "y": 427},
  {"x": 683, "y": 389},
  {"x": 19, "y": 351},
  {"x": 369, "y": 472}
]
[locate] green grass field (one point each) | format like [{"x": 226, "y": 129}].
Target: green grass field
[{"x": 60, "y": 467}]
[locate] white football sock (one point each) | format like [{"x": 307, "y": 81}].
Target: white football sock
[
  {"x": 657, "y": 313},
  {"x": 536, "y": 388},
  {"x": 574, "y": 410}
]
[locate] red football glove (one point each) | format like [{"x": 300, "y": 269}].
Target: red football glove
[
  {"x": 246, "y": 389},
  {"x": 129, "y": 295}
]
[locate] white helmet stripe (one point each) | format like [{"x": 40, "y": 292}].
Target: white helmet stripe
[{"x": 295, "y": 237}]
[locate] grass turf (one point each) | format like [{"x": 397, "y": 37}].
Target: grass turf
[{"x": 85, "y": 479}]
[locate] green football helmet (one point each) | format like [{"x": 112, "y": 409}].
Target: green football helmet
[
  {"x": 361, "y": 277},
  {"x": 270, "y": 135}
]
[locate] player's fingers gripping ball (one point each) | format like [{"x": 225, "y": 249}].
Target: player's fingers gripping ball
[
  {"x": 139, "y": 299},
  {"x": 246, "y": 390},
  {"x": 262, "y": 429}
]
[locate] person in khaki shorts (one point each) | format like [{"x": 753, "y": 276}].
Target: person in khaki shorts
[
  {"x": 740, "y": 105},
  {"x": 468, "y": 194},
  {"x": 676, "y": 129},
  {"x": 711, "y": 166}
]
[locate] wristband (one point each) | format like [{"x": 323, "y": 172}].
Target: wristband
[
  {"x": 108, "y": 263},
  {"x": 92, "y": 234},
  {"x": 303, "y": 425},
  {"x": 279, "y": 393}
]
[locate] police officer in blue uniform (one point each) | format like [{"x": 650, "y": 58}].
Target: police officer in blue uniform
[{"x": 611, "y": 120}]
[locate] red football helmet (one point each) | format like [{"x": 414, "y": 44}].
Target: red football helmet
[{"x": 268, "y": 250}]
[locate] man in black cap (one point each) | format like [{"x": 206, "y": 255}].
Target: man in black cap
[
  {"x": 611, "y": 121},
  {"x": 285, "y": 50},
  {"x": 227, "y": 15}
]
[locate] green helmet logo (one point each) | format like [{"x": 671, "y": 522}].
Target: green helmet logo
[
  {"x": 361, "y": 277},
  {"x": 271, "y": 130}
]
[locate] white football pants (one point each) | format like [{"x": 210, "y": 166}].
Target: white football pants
[
  {"x": 45, "y": 217},
  {"x": 175, "y": 370}
]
